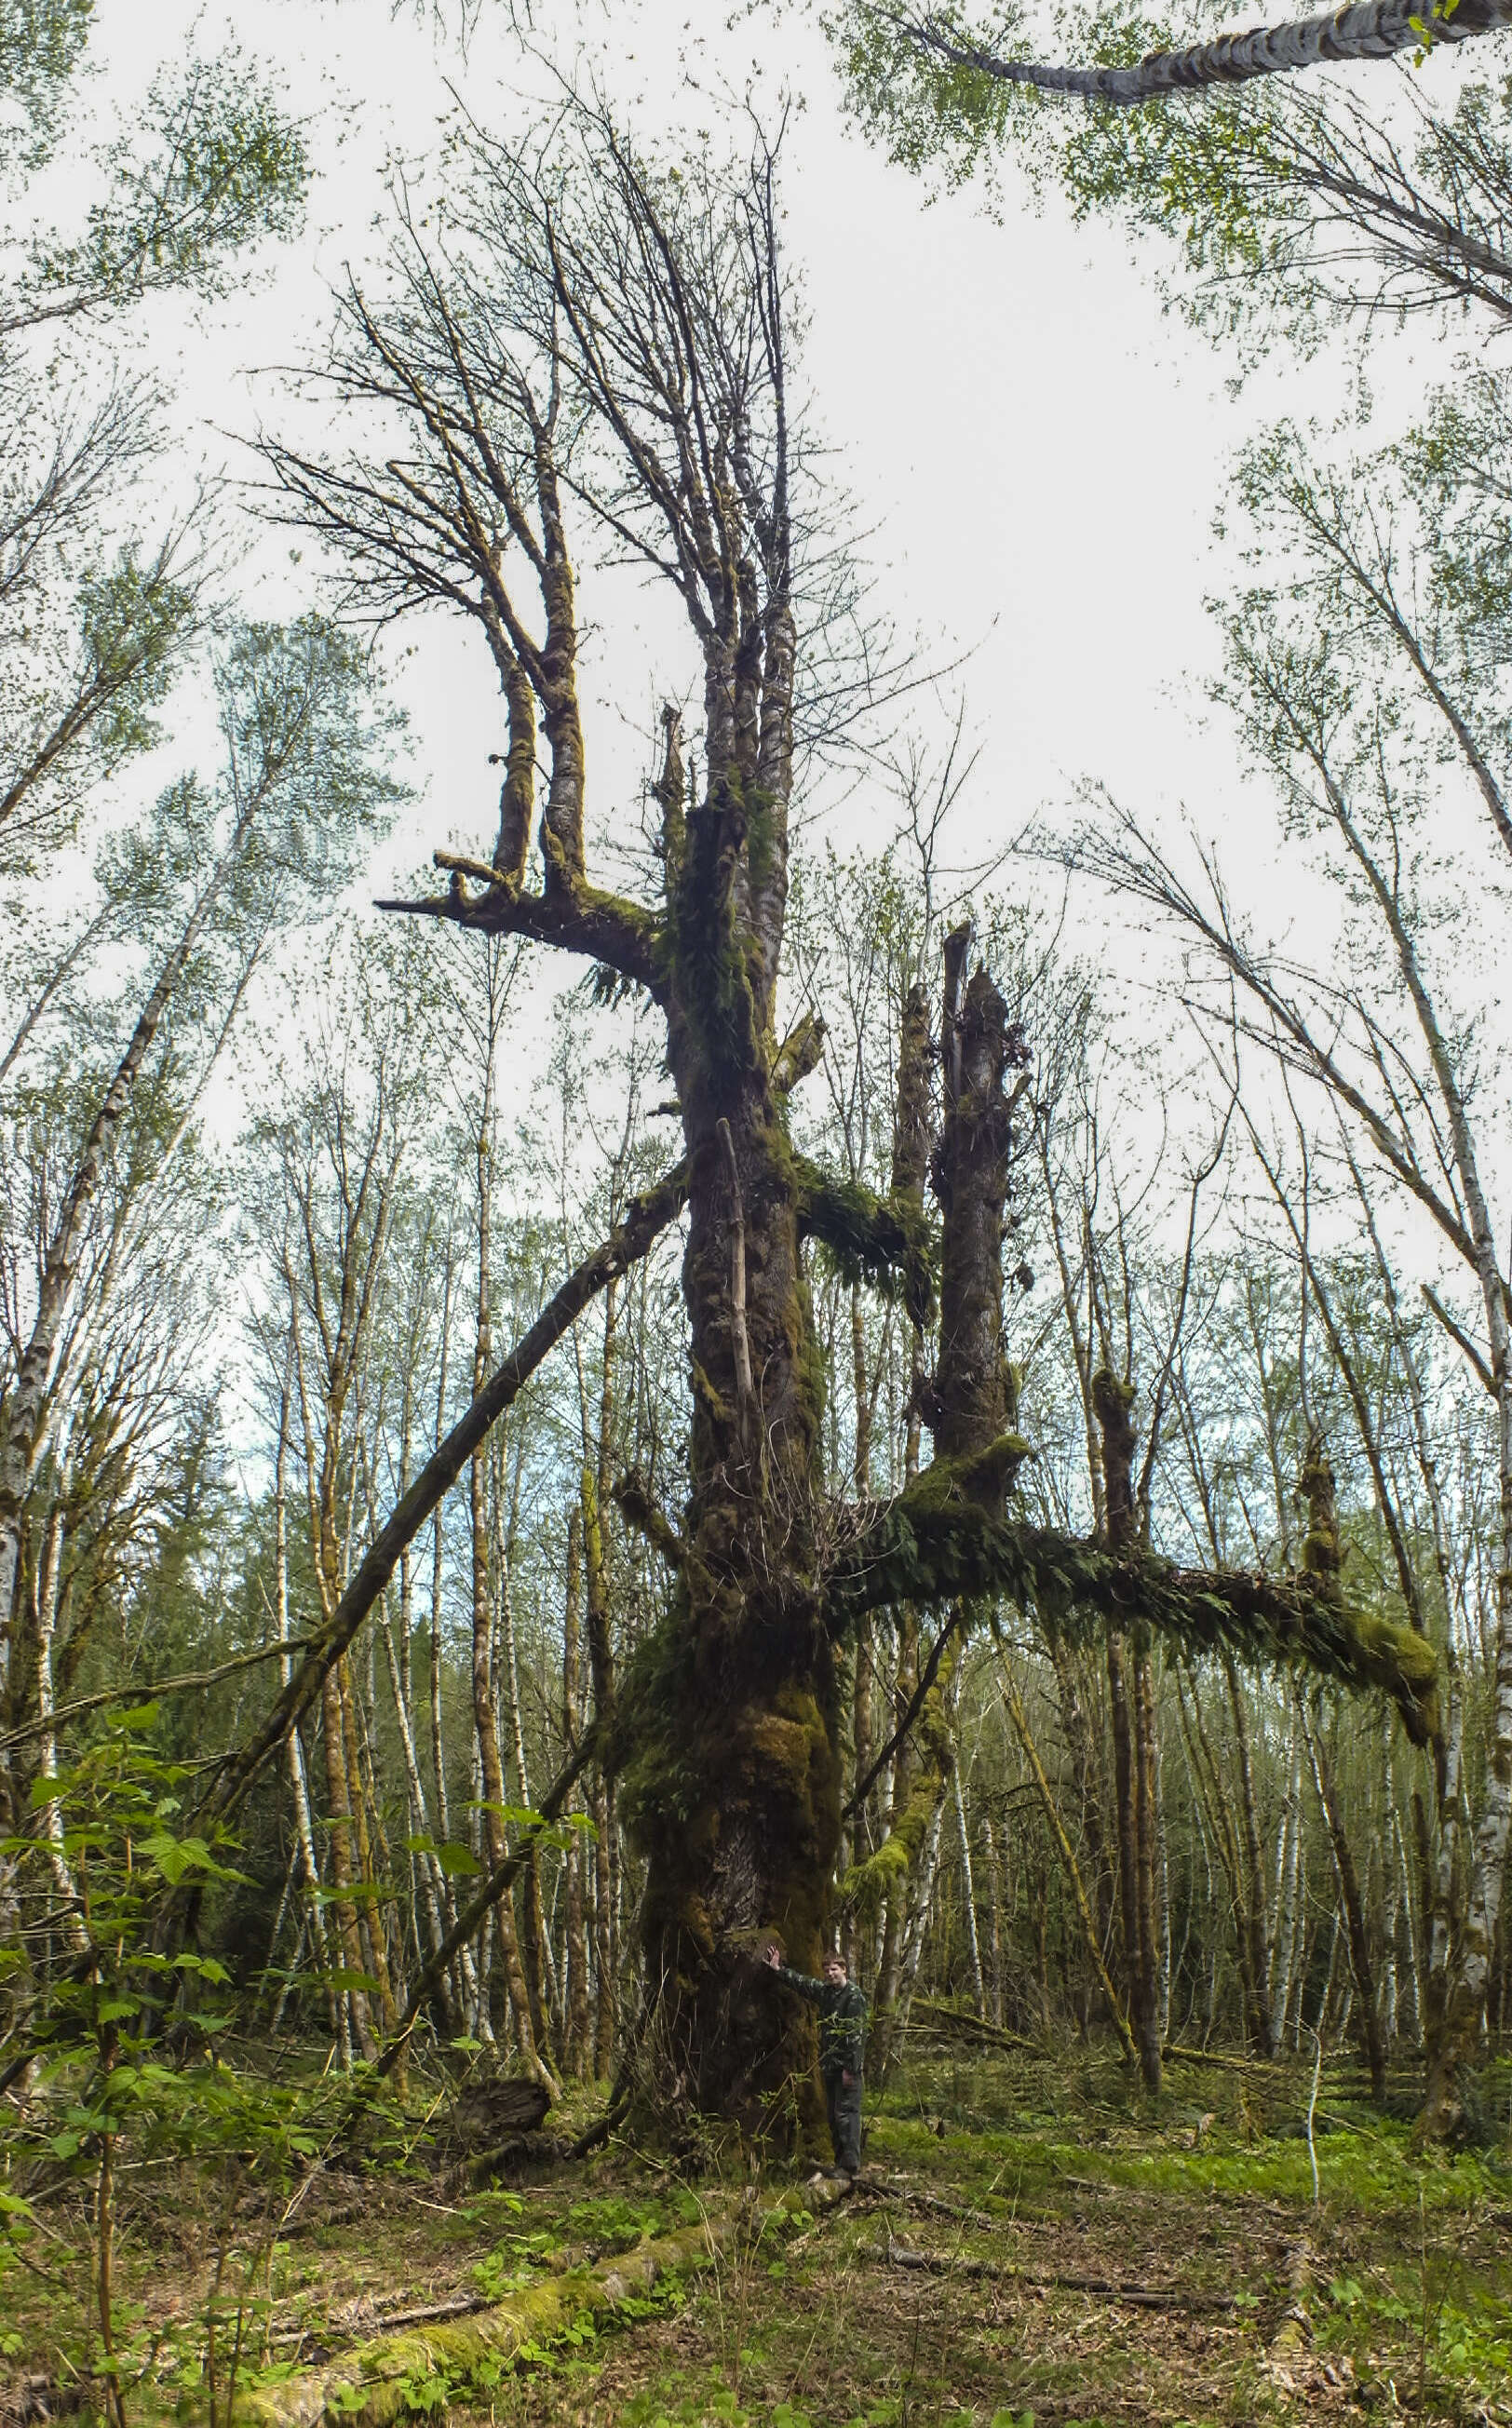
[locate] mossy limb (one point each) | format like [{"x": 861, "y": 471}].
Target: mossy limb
[
  {"x": 370, "y": 2386},
  {"x": 929, "y": 1546}
]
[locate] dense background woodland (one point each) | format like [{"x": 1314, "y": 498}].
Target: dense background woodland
[{"x": 762, "y": 1106}]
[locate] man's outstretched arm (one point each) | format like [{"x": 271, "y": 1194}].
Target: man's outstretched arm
[{"x": 804, "y": 1983}]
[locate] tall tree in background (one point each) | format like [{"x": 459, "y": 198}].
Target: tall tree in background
[{"x": 213, "y": 877}]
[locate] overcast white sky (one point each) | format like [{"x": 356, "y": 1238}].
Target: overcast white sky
[{"x": 1037, "y": 452}]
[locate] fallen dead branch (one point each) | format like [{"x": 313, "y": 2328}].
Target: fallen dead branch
[
  {"x": 1106, "y": 2288},
  {"x": 322, "y": 2330},
  {"x": 939, "y": 2015},
  {"x": 370, "y": 2385},
  {"x": 1174, "y": 2054},
  {"x": 888, "y": 2188}
]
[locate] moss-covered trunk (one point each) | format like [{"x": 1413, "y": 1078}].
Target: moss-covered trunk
[
  {"x": 735, "y": 1789},
  {"x": 737, "y": 1800}
]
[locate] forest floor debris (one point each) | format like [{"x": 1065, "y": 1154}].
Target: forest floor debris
[{"x": 974, "y": 2279}]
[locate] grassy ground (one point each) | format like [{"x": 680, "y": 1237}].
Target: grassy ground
[{"x": 1030, "y": 2242}]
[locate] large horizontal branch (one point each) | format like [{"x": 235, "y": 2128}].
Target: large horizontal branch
[
  {"x": 606, "y": 928},
  {"x": 1375, "y": 29},
  {"x": 930, "y": 1545},
  {"x": 644, "y": 1220},
  {"x": 883, "y": 1241}
]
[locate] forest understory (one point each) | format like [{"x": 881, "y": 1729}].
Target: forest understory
[
  {"x": 662, "y": 1327},
  {"x": 1030, "y": 2240}
]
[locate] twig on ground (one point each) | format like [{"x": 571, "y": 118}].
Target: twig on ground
[
  {"x": 888, "y": 2188},
  {"x": 1107, "y": 2289},
  {"x": 329, "y": 2329}
]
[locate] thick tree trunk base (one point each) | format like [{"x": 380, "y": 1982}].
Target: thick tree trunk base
[
  {"x": 734, "y": 1795},
  {"x": 1453, "y": 2115}
]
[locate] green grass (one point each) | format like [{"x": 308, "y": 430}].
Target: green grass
[{"x": 1070, "y": 2180}]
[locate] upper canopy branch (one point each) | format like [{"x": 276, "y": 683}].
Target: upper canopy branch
[
  {"x": 1375, "y": 29},
  {"x": 580, "y": 918}
]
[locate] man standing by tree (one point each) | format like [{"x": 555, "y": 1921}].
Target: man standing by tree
[{"x": 841, "y": 2048}]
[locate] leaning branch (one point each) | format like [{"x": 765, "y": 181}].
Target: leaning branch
[
  {"x": 1375, "y": 29},
  {"x": 1461, "y": 1338},
  {"x": 644, "y": 1220},
  {"x": 185, "y": 1684},
  {"x": 498, "y": 1884},
  {"x": 917, "y": 1702},
  {"x": 930, "y": 1545}
]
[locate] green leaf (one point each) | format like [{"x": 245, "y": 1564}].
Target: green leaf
[
  {"x": 210, "y": 1967},
  {"x": 174, "y": 1858},
  {"x": 456, "y": 1861}
]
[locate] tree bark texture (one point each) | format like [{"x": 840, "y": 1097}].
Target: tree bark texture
[{"x": 1371, "y": 30}]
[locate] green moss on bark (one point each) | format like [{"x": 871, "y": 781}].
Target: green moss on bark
[
  {"x": 886, "y": 1242},
  {"x": 372, "y": 2385},
  {"x": 930, "y": 1549}
]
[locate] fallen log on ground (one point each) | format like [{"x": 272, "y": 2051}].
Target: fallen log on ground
[
  {"x": 938, "y": 2014},
  {"x": 371, "y": 2385}
]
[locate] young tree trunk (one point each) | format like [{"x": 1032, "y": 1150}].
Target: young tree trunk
[
  {"x": 968, "y": 1893},
  {"x": 1289, "y": 1864},
  {"x": 578, "y": 2039},
  {"x": 533, "y": 1939},
  {"x": 1133, "y": 1748},
  {"x": 1257, "y": 1972},
  {"x": 1091, "y": 1938},
  {"x": 1147, "y": 1814},
  {"x": 995, "y": 1926},
  {"x": 1352, "y": 1903},
  {"x": 343, "y": 1876},
  {"x": 1086, "y": 1772},
  {"x": 601, "y": 1675},
  {"x": 485, "y": 1710}
]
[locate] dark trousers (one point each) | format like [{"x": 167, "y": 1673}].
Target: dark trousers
[{"x": 843, "y": 2102}]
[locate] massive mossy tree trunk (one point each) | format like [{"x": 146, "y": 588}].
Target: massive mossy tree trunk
[{"x": 734, "y": 1784}]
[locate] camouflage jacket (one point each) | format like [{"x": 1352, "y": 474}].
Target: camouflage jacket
[{"x": 843, "y": 2016}]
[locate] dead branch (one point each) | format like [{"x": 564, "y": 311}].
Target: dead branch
[{"x": 1106, "y": 2288}]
